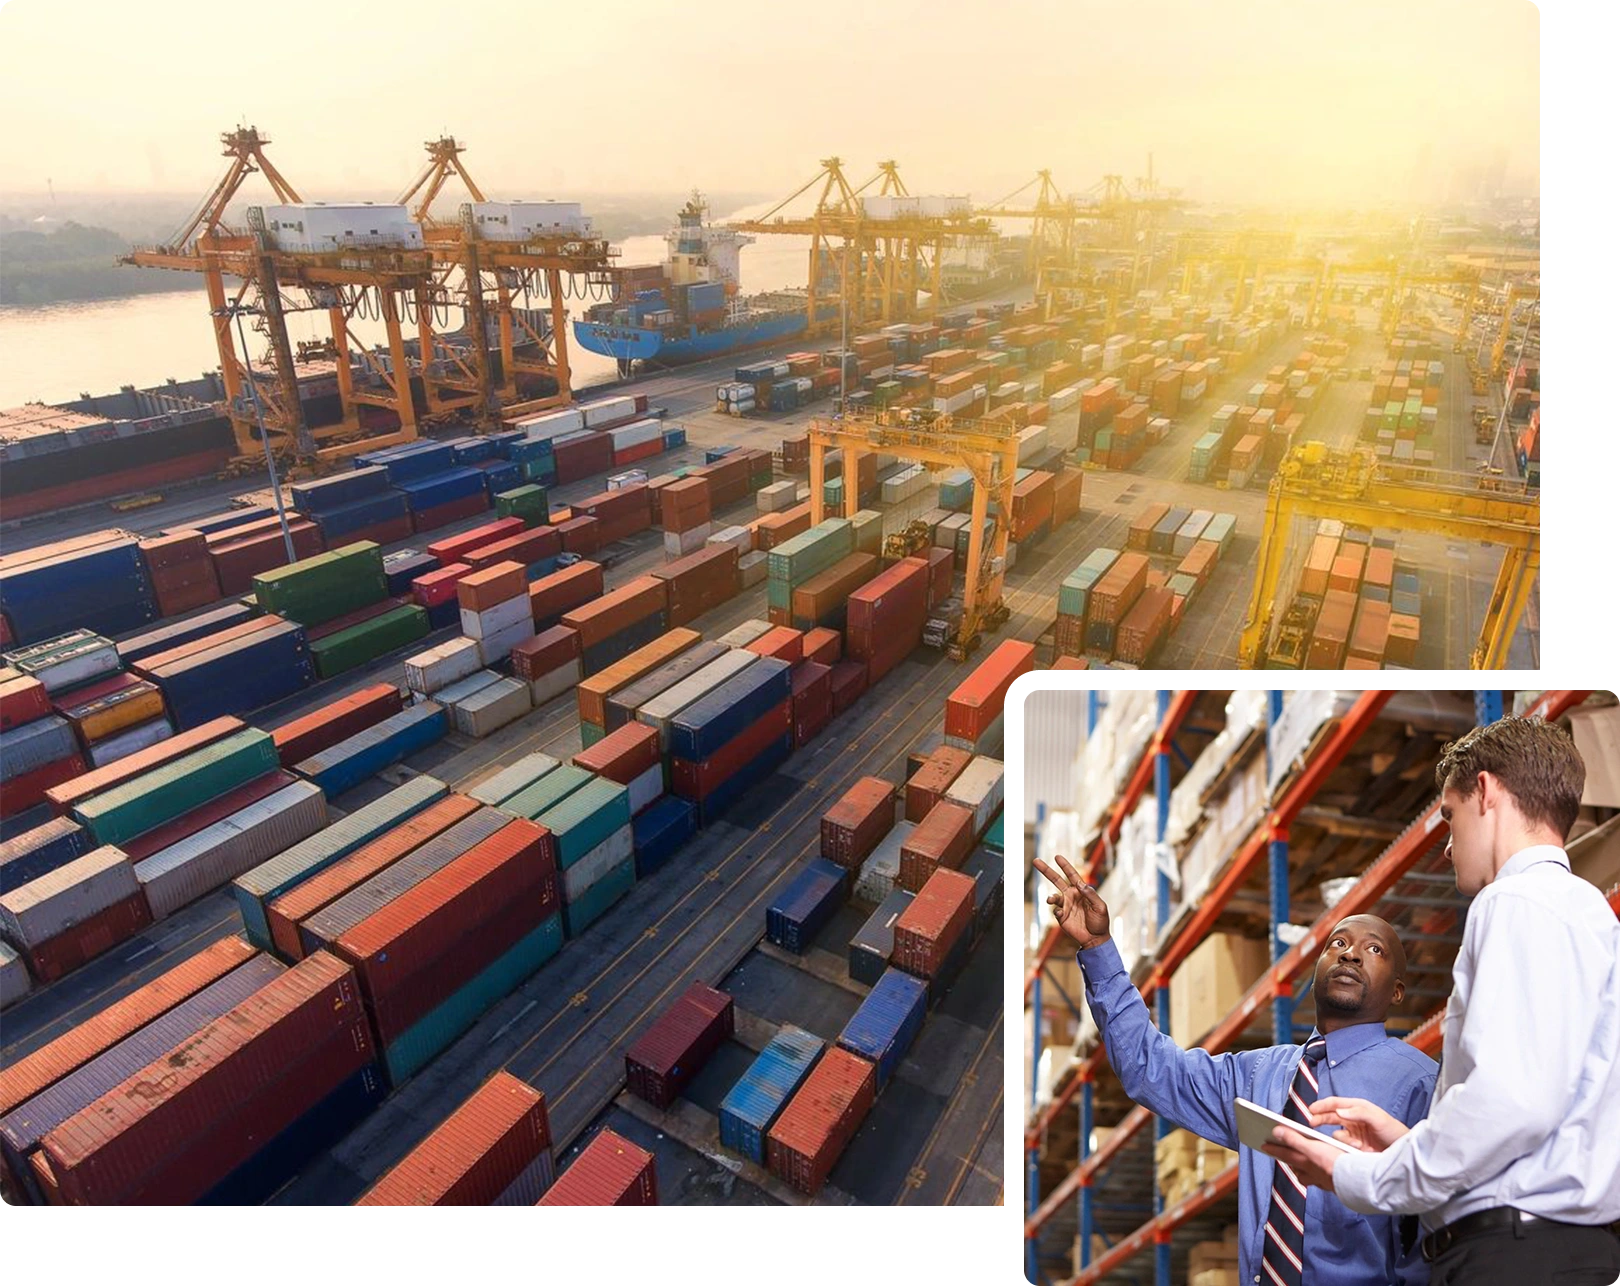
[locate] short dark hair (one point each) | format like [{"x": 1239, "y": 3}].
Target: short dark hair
[{"x": 1535, "y": 761}]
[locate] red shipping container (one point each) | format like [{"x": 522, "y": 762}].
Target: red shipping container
[
  {"x": 665, "y": 1057},
  {"x": 1070, "y": 663},
  {"x": 236, "y": 564},
  {"x": 623, "y": 755},
  {"x": 22, "y": 700},
  {"x": 320, "y": 729},
  {"x": 1144, "y": 627},
  {"x": 699, "y": 582},
  {"x": 941, "y": 568},
  {"x": 977, "y": 701},
  {"x": 943, "y": 838},
  {"x": 479, "y": 591},
  {"x": 580, "y": 535},
  {"x": 27, "y": 789},
  {"x": 619, "y": 513},
  {"x": 1370, "y": 637},
  {"x": 1332, "y": 633},
  {"x": 778, "y": 528},
  {"x": 383, "y": 533},
  {"x": 932, "y": 923},
  {"x": 21, "y": 1080},
  {"x": 172, "y": 600},
  {"x": 59, "y": 956},
  {"x": 783, "y": 643},
  {"x": 820, "y": 1120},
  {"x": 476, "y": 1155},
  {"x": 297, "y": 904},
  {"x": 69, "y": 793},
  {"x": 431, "y": 519},
  {"x": 639, "y": 451},
  {"x": 109, "y": 1150},
  {"x": 812, "y": 701},
  {"x": 696, "y": 780},
  {"x": 848, "y": 682},
  {"x": 438, "y": 586},
  {"x": 886, "y": 617},
  {"x": 538, "y": 656},
  {"x": 580, "y": 457},
  {"x": 553, "y": 595},
  {"x": 526, "y": 547},
  {"x": 605, "y": 616},
  {"x": 399, "y": 951},
  {"x": 1032, "y": 504},
  {"x": 611, "y": 1171},
  {"x": 857, "y": 823},
  {"x": 823, "y": 646},
  {"x": 927, "y": 786},
  {"x": 452, "y": 549},
  {"x": 217, "y": 809},
  {"x": 1066, "y": 496}
]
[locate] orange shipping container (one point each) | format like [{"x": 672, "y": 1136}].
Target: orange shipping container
[
  {"x": 594, "y": 691},
  {"x": 1371, "y": 634},
  {"x": 1332, "y": 633},
  {"x": 1144, "y": 627},
  {"x": 1143, "y": 524},
  {"x": 1346, "y": 573},
  {"x": 1112, "y": 596},
  {"x": 1200, "y": 560},
  {"x": 480, "y": 591},
  {"x": 1319, "y": 565},
  {"x": 1380, "y": 566},
  {"x": 606, "y": 616}
]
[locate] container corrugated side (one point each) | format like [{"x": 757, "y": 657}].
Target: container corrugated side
[
  {"x": 584, "y": 819},
  {"x": 354, "y": 759},
  {"x": 820, "y": 1119},
  {"x": 882, "y": 1029},
  {"x": 752, "y": 1105},
  {"x": 513, "y": 778},
  {"x": 54, "y": 903},
  {"x": 880, "y": 873},
  {"x": 42, "y": 849},
  {"x": 611, "y": 1171}
]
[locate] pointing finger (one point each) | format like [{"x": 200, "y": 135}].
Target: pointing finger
[
  {"x": 1050, "y": 874},
  {"x": 1074, "y": 875}
]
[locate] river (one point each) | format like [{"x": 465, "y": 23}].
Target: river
[{"x": 54, "y": 354}]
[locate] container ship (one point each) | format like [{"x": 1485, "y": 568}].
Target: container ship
[{"x": 688, "y": 307}]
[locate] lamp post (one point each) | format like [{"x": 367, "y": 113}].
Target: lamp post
[{"x": 235, "y": 311}]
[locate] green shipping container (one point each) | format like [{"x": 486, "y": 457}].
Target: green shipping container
[
  {"x": 778, "y": 593},
  {"x": 587, "y": 817},
  {"x": 797, "y": 560},
  {"x": 325, "y": 587},
  {"x": 579, "y": 916},
  {"x": 513, "y": 778},
  {"x": 370, "y": 639},
  {"x": 528, "y": 503},
  {"x": 433, "y": 1033},
  {"x": 163, "y": 794},
  {"x": 548, "y": 792},
  {"x": 590, "y": 733}
]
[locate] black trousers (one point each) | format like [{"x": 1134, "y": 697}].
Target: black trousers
[{"x": 1536, "y": 1254}]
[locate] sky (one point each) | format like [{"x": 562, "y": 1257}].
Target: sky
[{"x": 1248, "y": 101}]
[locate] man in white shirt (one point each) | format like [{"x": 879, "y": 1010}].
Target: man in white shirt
[{"x": 1516, "y": 1170}]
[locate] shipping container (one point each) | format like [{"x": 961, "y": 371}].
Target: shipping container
[
  {"x": 622, "y": 755},
  {"x": 873, "y": 944},
  {"x": 513, "y": 778},
  {"x": 595, "y": 691},
  {"x": 355, "y": 759},
  {"x": 808, "y": 902},
  {"x": 660, "y": 831},
  {"x": 927, "y": 786},
  {"x": 882, "y": 1029},
  {"x": 623, "y": 703},
  {"x": 324, "y": 727},
  {"x": 660, "y": 712},
  {"x": 753, "y": 1104},
  {"x": 40, "y": 850},
  {"x": 939, "y": 918},
  {"x": 820, "y": 1119},
  {"x": 855, "y": 825},
  {"x": 943, "y": 838},
  {"x": 978, "y": 788},
  {"x": 977, "y": 701},
  {"x": 886, "y": 617},
  {"x": 611, "y": 1171},
  {"x": 665, "y": 1057}
]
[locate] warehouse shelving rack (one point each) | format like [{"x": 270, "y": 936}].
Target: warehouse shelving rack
[{"x": 1268, "y": 839}]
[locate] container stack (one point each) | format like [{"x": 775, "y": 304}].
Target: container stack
[
  {"x": 354, "y": 506},
  {"x": 98, "y": 582},
  {"x": 231, "y": 670},
  {"x": 732, "y": 737},
  {"x": 795, "y": 561},
  {"x": 821, "y": 1118},
  {"x": 685, "y": 516},
  {"x": 496, "y": 609},
  {"x": 973, "y": 711},
  {"x": 752, "y": 1106},
  {"x": 614, "y": 624},
  {"x": 181, "y": 572},
  {"x": 886, "y": 617},
  {"x": 699, "y": 582},
  {"x": 664, "y": 1058},
  {"x": 359, "y": 757}
]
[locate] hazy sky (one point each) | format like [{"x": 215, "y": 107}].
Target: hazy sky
[{"x": 1247, "y": 99}]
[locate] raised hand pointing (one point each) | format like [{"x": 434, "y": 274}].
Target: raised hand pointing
[{"x": 1078, "y": 908}]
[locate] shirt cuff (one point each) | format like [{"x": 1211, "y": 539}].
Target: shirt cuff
[
  {"x": 1100, "y": 962},
  {"x": 1353, "y": 1179}
]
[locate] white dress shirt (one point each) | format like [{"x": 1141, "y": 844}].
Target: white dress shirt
[{"x": 1527, "y": 1107}]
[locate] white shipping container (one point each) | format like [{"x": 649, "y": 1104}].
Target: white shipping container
[
  {"x": 747, "y": 632},
  {"x": 1031, "y": 442},
  {"x": 492, "y": 620},
  {"x": 428, "y": 672},
  {"x": 880, "y": 871},
  {"x": 554, "y": 683},
  {"x": 606, "y": 857},
  {"x": 1064, "y": 398},
  {"x": 630, "y": 478},
  {"x": 81, "y": 667},
  {"x": 498, "y": 646},
  {"x": 677, "y": 544},
  {"x": 645, "y": 788},
  {"x": 1064, "y": 433},
  {"x": 551, "y": 424},
  {"x": 610, "y": 410},
  {"x": 637, "y": 434},
  {"x": 776, "y": 497},
  {"x": 660, "y": 712},
  {"x": 951, "y": 405},
  {"x": 461, "y": 689},
  {"x": 35, "y": 744},
  {"x": 217, "y": 854},
  {"x": 752, "y": 568},
  {"x": 14, "y": 980},
  {"x": 58, "y": 900},
  {"x": 492, "y": 707},
  {"x": 120, "y": 745},
  {"x": 739, "y": 538},
  {"x": 978, "y": 789}
]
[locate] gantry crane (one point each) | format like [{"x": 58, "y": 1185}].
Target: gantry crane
[
  {"x": 1315, "y": 481},
  {"x": 986, "y": 448},
  {"x": 478, "y": 273},
  {"x": 1515, "y": 292},
  {"x": 1403, "y": 282}
]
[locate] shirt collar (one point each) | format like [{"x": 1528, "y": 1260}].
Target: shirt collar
[
  {"x": 1525, "y": 858},
  {"x": 1345, "y": 1041}
]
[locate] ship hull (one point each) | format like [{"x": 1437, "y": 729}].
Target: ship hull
[{"x": 627, "y": 344}]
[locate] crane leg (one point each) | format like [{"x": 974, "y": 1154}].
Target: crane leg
[{"x": 1509, "y": 596}]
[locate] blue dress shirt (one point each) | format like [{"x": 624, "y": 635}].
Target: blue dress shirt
[{"x": 1194, "y": 1089}]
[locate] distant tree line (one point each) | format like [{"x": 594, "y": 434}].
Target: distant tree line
[{"x": 72, "y": 262}]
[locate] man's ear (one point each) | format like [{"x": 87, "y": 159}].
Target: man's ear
[{"x": 1399, "y": 994}]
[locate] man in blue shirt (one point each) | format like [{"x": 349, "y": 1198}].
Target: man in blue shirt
[{"x": 1289, "y": 1235}]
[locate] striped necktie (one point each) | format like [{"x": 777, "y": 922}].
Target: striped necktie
[{"x": 1284, "y": 1256}]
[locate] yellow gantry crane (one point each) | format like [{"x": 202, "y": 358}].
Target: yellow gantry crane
[
  {"x": 986, "y": 448},
  {"x": 1403, "y": 283},
  {"x": 1315, "y": 481},
  {"x": 1515, "y": 292}
]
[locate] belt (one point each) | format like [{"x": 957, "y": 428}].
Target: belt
[{"x": 1502, "y": 1218}]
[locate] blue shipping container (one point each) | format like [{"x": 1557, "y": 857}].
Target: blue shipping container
[
  {"x": 752, "y": 1105},
  {"x": 405, "y": 565},
  {"x": 728, "y": 792},
  {"x": 23, "y": 1128},
  {"x": 805, "y": 905},
  {"x": 315, "y": 1132},
  {"x": 659, "y": 832},
  {"x": 364, "y": 755},
  {"x": 715, "y": 718},
  {"x": 225, "y": 521},
  {"x": 500, "y": 476},
  {"x": 151, "y": 642},
  {"x": 358, "y": 515},
  {"x": 105, "y": 589},
  {"x": 339, "y": 490},
  {"x": 40, "y": 851},
  {"x": 242, "y": 675},
  {"x": 882, "y": 1029},
  {"x": 410, "y": 462},
  {"x": 674, "y": 438},
  {"x": 473, "y": 450},
  {"x": 434, "y": 1031},
  {"x": 595, "y": 902},
  {"x": 441, "y": 488}
]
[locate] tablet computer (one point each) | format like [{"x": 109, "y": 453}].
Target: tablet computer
[{"x": 1255, "y": 1124}]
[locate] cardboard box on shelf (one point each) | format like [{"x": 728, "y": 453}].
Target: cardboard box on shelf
[
  {"x": 1175, "y": 1161},
  {"x": 1099, "y": 1248},
  {"x": 1211, "y": 981},
  {"x": 1214, "y": 1257}
]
